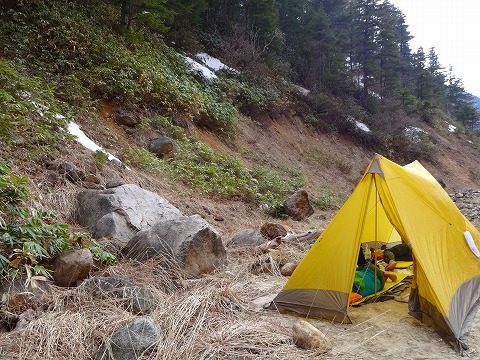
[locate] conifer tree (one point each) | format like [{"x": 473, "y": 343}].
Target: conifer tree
[{"x": 153, "y": 13}]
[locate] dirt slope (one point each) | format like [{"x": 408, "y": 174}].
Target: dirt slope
[{"x": 330, "y": 163}]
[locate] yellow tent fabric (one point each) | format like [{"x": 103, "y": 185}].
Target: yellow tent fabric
[{"x": 392, "y": 202}]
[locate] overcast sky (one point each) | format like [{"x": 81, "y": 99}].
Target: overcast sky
[{"x": 453, "y": 28}]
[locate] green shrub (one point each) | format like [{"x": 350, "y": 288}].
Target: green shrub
[
  {"x": 12, "y": 189},
  {"x": 142, "y": 159},
  {"x": 165, "y": 125},
  {"x": 83, "y": 59},
  {"x": 102, "y": 255},
  {"x": 27, "y": 236},
  {"x": 101, "y": 158},
  {"x": 410, "y": 144},
  {"x": 199, "y": 167},
  {"x": 28, "y": 113},
  {"x": 272, "y": 188},
  {"x": 324, "y": 202},
  {"x": 251, "y": 96}
]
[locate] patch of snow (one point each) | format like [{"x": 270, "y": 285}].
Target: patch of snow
[
  {"x": 374, "y": 94},
  {"x": 415, "y": 134},
  {"x": 359, "y": 82},
  {"x": 72, "y": 128},
  {"x": 209, "y": 74},
  {"x": 358, "y": 124},
  {"x": 214, "y": 63},
  {"x": 452, "y": 128},
  {"x": 302, "y": 90},
  {"x": 362, "y": 126},
  {"x": 75, "y": 130}
]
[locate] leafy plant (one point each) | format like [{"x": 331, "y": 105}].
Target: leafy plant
[
  {"x": 102, "y": 255},
  {"x": 324, "y": 202},
  {"x": 142, "y": 159},
  {"x": 29, "y": 112},
  {"x": 12, "y": 189},
  {"x": 196, "y": 165},
  {"x": 101, "y": 158},
  {"x": 27, "y": 236},
  {"x": 167, "y": 127},
  {"x": 251, "y": 95},
  {"x": 272, "y": 188}
]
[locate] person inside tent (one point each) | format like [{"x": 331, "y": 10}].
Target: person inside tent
[
  {"x": 370, "y": 279},
  {"x": 400, "y": 252},
  {"x": 377, "y": 255}
]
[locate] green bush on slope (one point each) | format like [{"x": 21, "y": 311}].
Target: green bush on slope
[
  {"x": 28, "y": 236},
  {"x": 84, "y": 60}
]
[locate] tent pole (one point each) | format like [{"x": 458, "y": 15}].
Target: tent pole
[{"x": 376, "y": 238}]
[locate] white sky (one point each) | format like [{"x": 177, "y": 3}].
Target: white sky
[{"x": 453, "y": 28}]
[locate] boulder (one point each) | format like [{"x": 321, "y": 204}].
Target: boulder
[
  {"x": 122, "y": 211},
  {"x": 161, "y": 146},
  {"x": 297, "y": 205},
  {"x": 71, "y": 266},
  {"x": 124, "y": 117},
  {"x": 71, "y": 172},
  {"x": 127, "y": 295},
  {"x": 308, "y": 337},
  {"x": 132, "y": 341},
  {"x": 190, "y": 241},
  {"x": 273, "y": 230},
  {"x": 115, "y": 225},
  {"x": 288, "y": 269},
  {"x": 246, "y": 238},
  {"x": 114, "y": 183}
]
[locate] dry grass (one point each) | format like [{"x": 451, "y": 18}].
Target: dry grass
[{"x": 207, "y": 318}]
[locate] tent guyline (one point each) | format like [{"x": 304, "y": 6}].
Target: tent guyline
[{"x": 391, "y": 203}]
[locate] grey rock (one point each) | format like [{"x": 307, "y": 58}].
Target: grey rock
[
  {"x": 161, "y": 146},
  {"x": 71, "y": 172},
  {"x": 114, "y": 183},
  {"x": 139, "y": 210},
  {"x": 189, "y": 241},
  {"x": 131, "y": 341},
  {"x": 127, "y": 295},
  {"x": 246, "y": 238},
  {"x": 115, "y": 225},
  {"x": 124, "y": 117}
]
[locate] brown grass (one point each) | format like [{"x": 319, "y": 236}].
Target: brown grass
[{"x": 207, "y": 318}]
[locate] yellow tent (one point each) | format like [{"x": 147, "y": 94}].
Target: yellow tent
[{"x": 392, "y": 201}]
